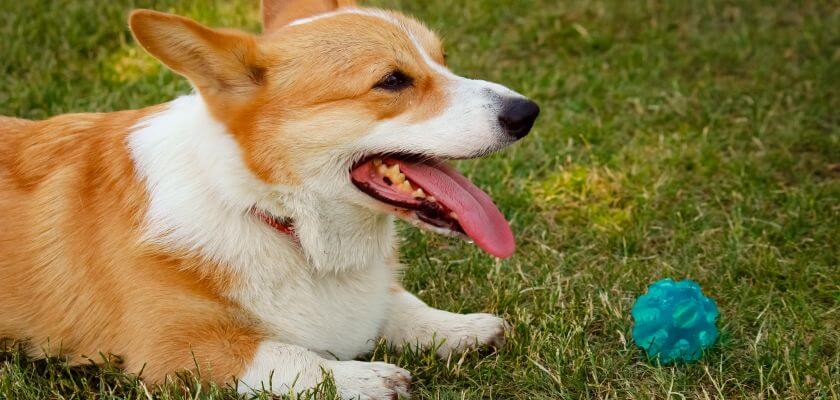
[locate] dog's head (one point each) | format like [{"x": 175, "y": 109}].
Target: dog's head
[{"x": 353, "y": 103}]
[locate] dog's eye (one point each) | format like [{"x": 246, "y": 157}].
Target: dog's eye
[{"x": 394, "y": 81}]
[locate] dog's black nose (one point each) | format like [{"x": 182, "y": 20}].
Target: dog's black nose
[{"x": 518, "y": 116}]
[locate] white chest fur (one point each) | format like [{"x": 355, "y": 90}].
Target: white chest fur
[
  {"x": 334, "y": 314},
  {"x": 329, "y": 295}
]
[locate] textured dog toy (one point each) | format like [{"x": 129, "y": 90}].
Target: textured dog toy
[{"x": 674, "y": 321}]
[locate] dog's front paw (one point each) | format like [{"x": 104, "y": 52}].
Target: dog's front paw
[
  {"x": 464, "y": 332},
  {"x": 370, "y": 380}
]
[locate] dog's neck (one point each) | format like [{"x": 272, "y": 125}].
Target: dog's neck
[
  {"x": 336, "y": 236},
  {"x": 344, "y": 237},
  {"x": 201, "y": 194}
]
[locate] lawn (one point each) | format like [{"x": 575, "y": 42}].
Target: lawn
[{"x": 685, "y": 139}]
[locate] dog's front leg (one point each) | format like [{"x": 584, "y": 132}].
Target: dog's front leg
[
  {"x": 414, "y": 323},
  {"x": 288, "y": 369}
]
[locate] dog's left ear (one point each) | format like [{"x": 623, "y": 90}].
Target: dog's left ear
[
  {"x": 279, "y": 13},
  {"x": 214, "y": 60}
]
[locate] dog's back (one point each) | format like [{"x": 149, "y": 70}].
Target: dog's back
[
  {"x": 73, "y": 278},
  {"x": 46, "y": 171},
  {"x": 9, "y": 126},
  {"x": 10, "y": 130}
]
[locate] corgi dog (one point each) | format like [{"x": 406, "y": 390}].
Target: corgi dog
[{"x": 247, "y": 230}]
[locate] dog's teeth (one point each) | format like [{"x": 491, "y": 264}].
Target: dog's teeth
[
  {"x": 382, "y": 169},
  {"x": 431, "y": 199},
  {"x": 377, "y": 162},
  {"x": 418, "y": 194},
  {"x": 453, "y": 216},
  {"x": 405, "y": 187},
  {"x": 393, "y": 173}
]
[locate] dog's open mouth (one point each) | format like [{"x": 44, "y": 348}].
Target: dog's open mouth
[{"x": 437, "y": 196}]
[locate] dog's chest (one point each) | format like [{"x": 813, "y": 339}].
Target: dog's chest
[{"x": 335, "y": 314}]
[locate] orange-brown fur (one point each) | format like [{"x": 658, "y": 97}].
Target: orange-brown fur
[{"x": 76, "y": 279}]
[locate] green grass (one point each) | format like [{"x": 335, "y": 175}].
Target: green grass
[{"x": 686, "y": 139}]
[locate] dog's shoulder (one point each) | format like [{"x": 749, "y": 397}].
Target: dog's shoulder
[{"x": 32, "y": 150}]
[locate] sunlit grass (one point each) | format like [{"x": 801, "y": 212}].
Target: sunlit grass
[
  {"x": 576, "y": 195},
  {"x": 130, "y": 64}
]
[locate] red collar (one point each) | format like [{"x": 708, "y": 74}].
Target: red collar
[{"x": 280, "y": 225}]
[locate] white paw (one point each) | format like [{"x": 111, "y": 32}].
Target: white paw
[
  {"x": 370, "y": 380},
  {"x": 462, "y": 332}
]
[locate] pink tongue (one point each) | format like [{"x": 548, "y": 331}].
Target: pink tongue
[{"x": 477, "y": 214}]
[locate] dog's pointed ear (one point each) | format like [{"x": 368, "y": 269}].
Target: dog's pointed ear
[
  {"x": 213, "y": 60},
  {"x": 279, "y": 13}
]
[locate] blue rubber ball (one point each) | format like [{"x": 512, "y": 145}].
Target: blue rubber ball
[{"x": 674, "y": 321}]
